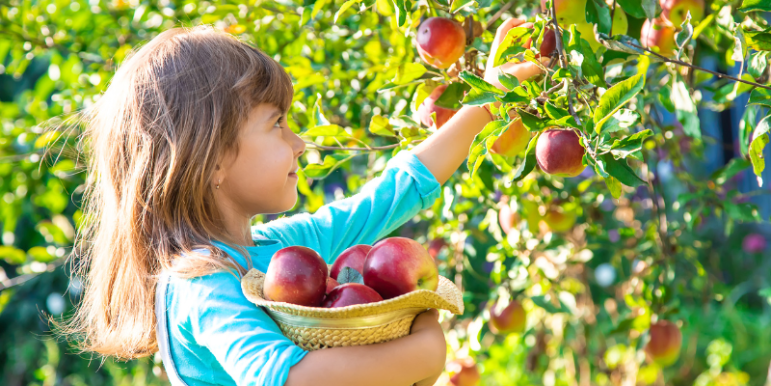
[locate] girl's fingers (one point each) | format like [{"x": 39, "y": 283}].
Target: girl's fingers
[
  {"x": 504, "y": 28},
  {"x": 523, "y": 70}
]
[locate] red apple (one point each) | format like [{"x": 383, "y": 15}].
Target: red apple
[
  {"x": 349, "y": 294},
  {"x": 549, "y": 43},
  {"x": 675, "y": 11},
  {"x": 427, "y": 107},
  {"x": 352, "y": 257},
  {"x": 296, "y": 275},
  {"x": 435, "y": 247},
  {"x": 331, "y": 284},
  {"x": 463, "y": 372},
  {"x": 659, "y": 33},
  {"x": 513, "y": 141},
  {"x": 441, "y": 42},
  {"x": 665, "y": 341},
  {"x": 398, "y": 265},
  {"x": 510, "y": 319},
  {"x": 559, "y": 152}
]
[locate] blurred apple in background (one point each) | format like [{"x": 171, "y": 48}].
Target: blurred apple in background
[
  {"x": 665, "y": 342},
  {"x": 509, "y": 319}
]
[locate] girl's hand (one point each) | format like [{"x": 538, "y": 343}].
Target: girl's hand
[
  {"x": 427, "y": 323},
  {"x": 521, "y": 70}
]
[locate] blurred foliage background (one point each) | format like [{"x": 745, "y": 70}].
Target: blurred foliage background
[{"x": 689, "y": 245}]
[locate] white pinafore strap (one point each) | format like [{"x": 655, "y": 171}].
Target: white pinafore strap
[{"x": 162, "y": 331}]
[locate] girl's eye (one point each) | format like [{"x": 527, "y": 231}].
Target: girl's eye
[{"x": 279, "y": 122}]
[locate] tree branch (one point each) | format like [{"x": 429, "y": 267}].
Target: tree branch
[{"x": 498, "y": 14}]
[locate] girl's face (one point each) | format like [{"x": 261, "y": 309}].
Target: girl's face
[{"x": 260, "y": 178}]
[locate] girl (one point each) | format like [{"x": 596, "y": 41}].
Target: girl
[{"x": 186, "y": 146}]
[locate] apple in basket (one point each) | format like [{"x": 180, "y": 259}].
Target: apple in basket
[
  {"x": 398, "y": 265},
  {"x": 352, "y": 257},
  {"x": 349, "y": 294},
  {"x": 296, "y": 275}
]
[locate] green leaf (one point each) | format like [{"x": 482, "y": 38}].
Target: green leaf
[
  {"x": 614, "y": 186},
  {"x": 318, "y": 115},
  {"x": 615, "y": 98},
  {"x": 742, "y": 212},
  {"x": 592, "y": 69},
  {"x": 379, "y": 125},
  {"x": 541, "y": 301},
  {"x": 12, "y": 255},
  {"x": 755, "y": 6},
  {"x": 479, "y": 84},
  {"x": 408, "y": 72},
  {"x": 620, "y": 43},
  {"x": 639, "y": 9},
  {"x": 760, "y": 96},
  {"x": 619, "y": 170},
  {"x": 330, "y": 163},
  {"x": 452, "y": 96},
  {"x": 528, "y": 163},
  {"x": 317, "y": 7},
  {"x": 344, "y": 7},
  {"x": 478, "y": 147},
  {"x": 423, "y": 91},
  {"x": 533, "y": 123},
  {"x": 597, "y": 12},
  {"x": 323, "y": 131},
  {"x": 734, "y": 166},
  {"x": 685, "y": 109},
  {"x": 349, "y": 275},
  {"x": 685, "y": 34},
  {"x": 401, "y": 12},
  {"x": 622, "y": 148},
  {"x": 758, "y": 64},
  {"x": 41, "y": 254},
  {"x": 459, "y": 4},
  {"x": 478, "y": 98},
  {"x": 623, "y": 119},
  {"x": 507, "y": 80},
  {"x": 514, "y": 38},
  {"x": 756, "y": 153}
]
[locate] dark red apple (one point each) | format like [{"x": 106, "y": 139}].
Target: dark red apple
[
  {"x": 441, "y": 42},
  {"x": 398, "y": 265},
  {"x": 511, "y": 318},
  {"x": 428, "y": 106},
  {"x": 559, "y": 152},
  {"x": 349, "y": 294},
  {"x": 352, "y": 257},
  {"x": 549, "y": 43},
  {"x": 331, "y": 284},
  {"x": 463, "y": 372},
  {"x": 296, "y": 275},
  {"x": 665, "y": 342}
]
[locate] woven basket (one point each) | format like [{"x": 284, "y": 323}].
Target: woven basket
[{"x": 314, "y": 328}]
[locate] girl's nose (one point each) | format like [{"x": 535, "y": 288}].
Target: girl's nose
[{"x": 298, "y": 145}]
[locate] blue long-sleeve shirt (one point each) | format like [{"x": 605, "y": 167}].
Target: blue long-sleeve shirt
[{"x": 218, "y": 337}]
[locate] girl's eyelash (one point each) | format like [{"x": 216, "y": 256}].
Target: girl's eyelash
[{"x": 280, "y": 120}]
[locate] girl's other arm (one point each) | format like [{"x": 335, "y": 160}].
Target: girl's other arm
[{"x": 416, "y": 358}]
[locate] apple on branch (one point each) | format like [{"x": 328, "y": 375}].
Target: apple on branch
[
  {"x": 440, "y": 41},
  {"x": 508, "y": 218},
  {"x": 514, "y": 140},
  {"x": 559, "y": 152},
  {"x": 398, "y": 265},
  {"x": 296, "y": 275}
]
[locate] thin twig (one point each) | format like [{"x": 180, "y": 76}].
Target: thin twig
[
  {"x": 21, "y": 279},
  {"x": 340, "y": 148},
  {"x": 686, "y": 64},
  {"x": 498, "y": 14}
]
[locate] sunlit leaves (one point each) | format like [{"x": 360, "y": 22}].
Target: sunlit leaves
[
  {"x": 615, "y": 98},
  {"x": 755, "y": 6}
]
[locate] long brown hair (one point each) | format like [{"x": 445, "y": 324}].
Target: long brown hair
[{"x": 153, "y": 141}]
